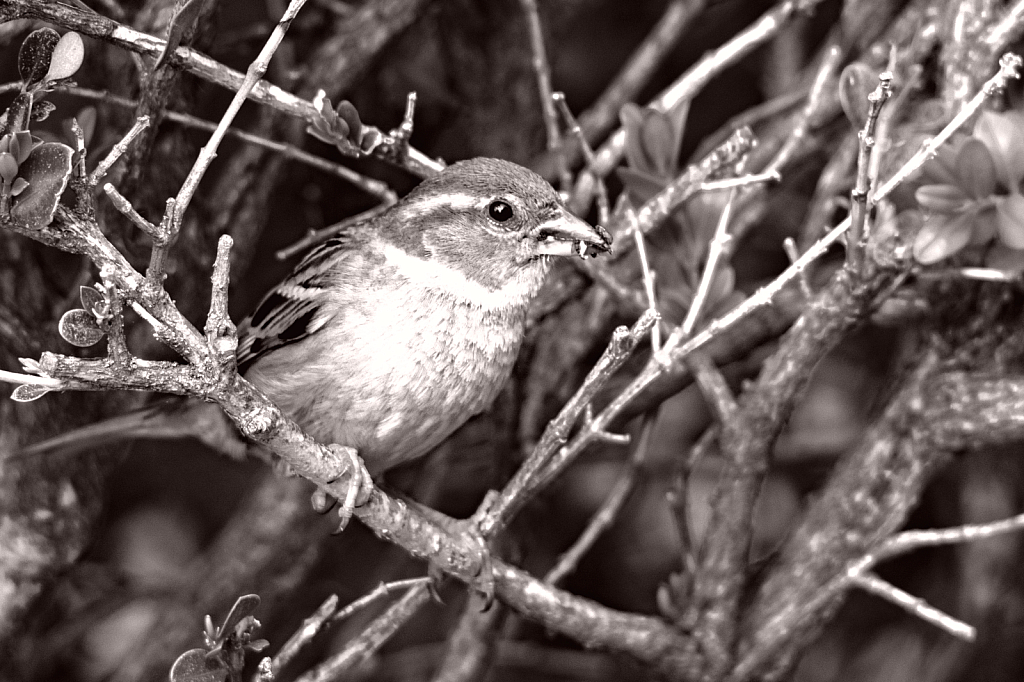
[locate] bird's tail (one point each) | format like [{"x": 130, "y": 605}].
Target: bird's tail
[{"x": 170, "y": 419}]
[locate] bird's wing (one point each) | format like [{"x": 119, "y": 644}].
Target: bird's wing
[{"x": 294, "y": 308}]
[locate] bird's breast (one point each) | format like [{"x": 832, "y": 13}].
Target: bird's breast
[{"x": 399, "y": 367}]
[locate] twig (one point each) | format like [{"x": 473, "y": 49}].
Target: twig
[
  {"x": 549, "y": 451},
  {"x": 368, "y": 185},
  {"x": 1006, "y": 30},
  {"x": 793, "y": 254},
  {"x": 30, "y": 380},
  {"x": 1009, "y": 66},
  {"x": 588, "y": 155},
  {"x": 117, "y": 344},
  {"x": 609, "y": 510},
  {"x": 714, "y": 388},
  {"x": 370, "y": 639},
  {"x": 471, "y": 647},
  {"x": 740, "y": 181},
  {"x": 189, "y": 60},
  {"x": 382, "y": 590},
  {"x": 252, "y": 77},
  {"x": 856, "y": 241},
  {"x": 310, "y": 628},
  {"x": 639, "y": 68},
  {"x": 117, "y": 151},
  {"x": 542, "y": 71},
  {"x": 1009, "y": 69},
  {"x": 126, "y": 208},
  {"x": 326, "y": 233},
  {"x": 823, "y": 83},
  {"x": 220, "y": 330},
  {"x": 660, "y": 206},
  {"x": 697, "y": 76},
  {"x": 648, "y": 275},
  {"x": 872, "y": 584},
  {"x": 716, "y": 250},
  {"x": 910, "y": 540}
]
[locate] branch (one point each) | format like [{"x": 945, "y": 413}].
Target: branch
[
  {"x": 697, "y": 76},
  {"x": 196, "y": 63}
]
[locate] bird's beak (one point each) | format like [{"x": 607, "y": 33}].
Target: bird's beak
[{"x": 563, "y": 234}]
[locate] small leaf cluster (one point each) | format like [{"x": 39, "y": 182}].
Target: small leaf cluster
[
  {"x": 85, "y": 326},
  {"x": 653, "y": 141},
  {"x": 15, "y": 149},
  {"x": 33, "y": 173},
  {"x": 342, "y": 127},
  {"x": 224, "y": 655},
  {"x": 969, "y": 198}
]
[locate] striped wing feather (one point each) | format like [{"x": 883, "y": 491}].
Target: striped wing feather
[{"x": 292, "y": 310}]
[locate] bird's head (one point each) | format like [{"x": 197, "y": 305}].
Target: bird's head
[{"x": 493, "y": 220}]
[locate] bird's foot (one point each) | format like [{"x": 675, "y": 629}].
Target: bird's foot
[
  {"x": 483, "y": 582},
  {"x": 360, "y": 485}
]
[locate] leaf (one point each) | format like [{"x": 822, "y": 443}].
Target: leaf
[
  {"x": 1003, "y": 134},
  {"x": 92, "y": 299},
  {"x": 22, "y": 144},
  {"x": 632, "y": 121},
  {"x": 42, "y": 110},
  {"x": 257, "y": 645},
  {"x": 34, "y": 56},
  {"x": 1006, "y": 259},
  {"x": 87, "y": 120},
  {"x": 193, "y": 666},
  {"x": 47, "y": 171},
  {"x": 640, "y": 185},
  {"x": 80, "y": 328},
  {"x": 939, "y": 239},
  {"x": 347, "y": 113},
  {"x": 17, "y": 114},
  {"x": 975, "y": 169},
  {"x": 26, "y": 393},
  {"x": 855, "y": 84},
  {"x": 67, "y": 57},
  {"x": 1010, "y": 220},
  {"x": 8, "y": 167},
  {"x": 658, "y": 139},
  {"x": 182, "y": 22},
  {"x": 941, "y": 198},
  {"x": 243, "y": 608}
]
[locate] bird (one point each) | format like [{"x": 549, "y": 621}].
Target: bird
[{"x": 390, "y": 336}]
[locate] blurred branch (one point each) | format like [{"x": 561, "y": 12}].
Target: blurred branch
[
  {"x": 473, "y": 645},
  {"x": 696, "y": 77},
  {"x": 368, "y": 185},
  {"x": 610, "y": 508},
  {"x": 371, "y": 639},
  {"x": 97, "y": 26},
  {"x": 632, "y": 77},
  {"x": 918, "y": 607},
  {"x": 542, "y": 70},
  {"x": 1007, "y": 30}
]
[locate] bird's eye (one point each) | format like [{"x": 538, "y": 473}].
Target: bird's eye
[{"x": 500, "y": 211}]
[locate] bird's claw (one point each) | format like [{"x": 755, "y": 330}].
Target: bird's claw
[
  {"x": 484, "y": 581},
  {"x": 484, "y": 584},
  {"x": 322, "y": 501},
  {"x": 358, "y": 489}
]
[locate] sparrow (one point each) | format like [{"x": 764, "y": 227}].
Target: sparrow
[{"x": 390, "y": 337}]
